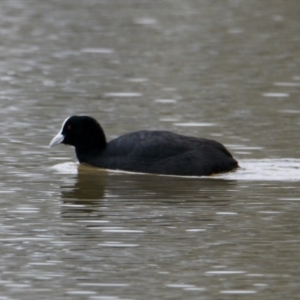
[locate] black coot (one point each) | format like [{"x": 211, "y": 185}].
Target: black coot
[{"x": 158, "y": 152}]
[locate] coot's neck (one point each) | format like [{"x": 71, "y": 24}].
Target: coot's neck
[{"x": 91, "y": 146}]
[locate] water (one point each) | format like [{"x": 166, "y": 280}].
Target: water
[{"x": 227, "y": 70}]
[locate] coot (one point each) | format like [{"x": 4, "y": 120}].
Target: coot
[{"x": 158, "y": 152}]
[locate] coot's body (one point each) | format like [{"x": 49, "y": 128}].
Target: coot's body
[{"x": 158, "y": 152}]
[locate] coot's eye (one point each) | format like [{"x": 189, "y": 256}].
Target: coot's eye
[{"x": 69, "y": 127}]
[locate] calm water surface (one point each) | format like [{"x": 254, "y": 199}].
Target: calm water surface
[{"x": 227, "y": 70}]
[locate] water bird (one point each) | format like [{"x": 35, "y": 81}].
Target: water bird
[{"x": 145, "y": 151}]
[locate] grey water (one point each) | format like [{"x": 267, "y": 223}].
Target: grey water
[{"x": 226, "y": 70}]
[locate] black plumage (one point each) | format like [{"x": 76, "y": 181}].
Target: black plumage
[{"x": 158, "y": 152}]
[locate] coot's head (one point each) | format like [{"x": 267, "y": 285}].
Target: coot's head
[{"x": 80, "y": 132}]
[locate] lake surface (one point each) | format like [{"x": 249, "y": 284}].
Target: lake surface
[{"x": 226, "y": 70}]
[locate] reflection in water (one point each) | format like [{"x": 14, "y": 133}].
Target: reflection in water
[
  {"x": 94, "y": 187},
  {"x": 86, "y": 194},
  {"x": 90, "y": 184}
]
